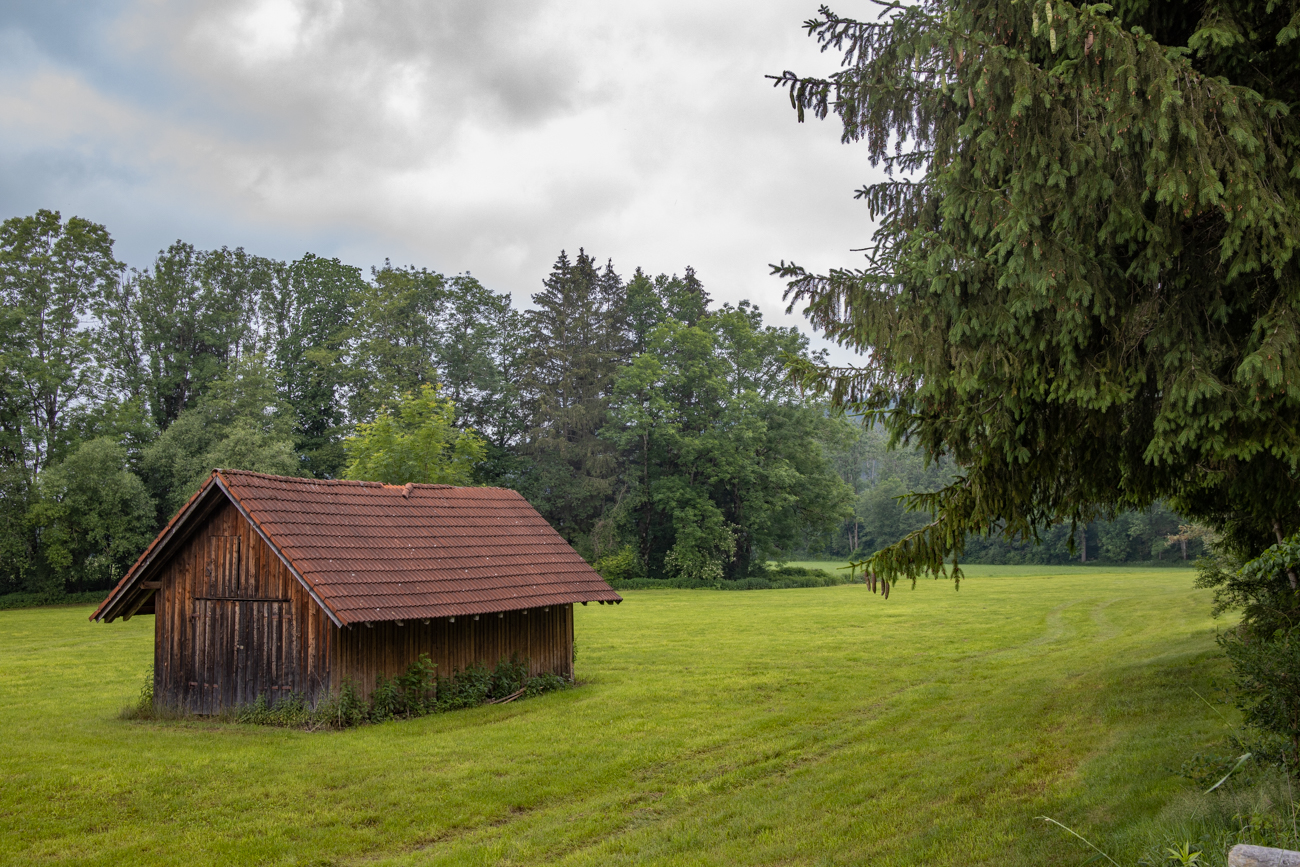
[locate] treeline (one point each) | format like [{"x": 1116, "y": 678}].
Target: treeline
[
  {"x": 880, "y": 477},
  {"x": 658, "y": 432}
]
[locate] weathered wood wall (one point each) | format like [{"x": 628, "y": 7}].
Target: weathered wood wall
[
  {"x": 543, "y": 636},
  {"x": 233, "y": 623}
]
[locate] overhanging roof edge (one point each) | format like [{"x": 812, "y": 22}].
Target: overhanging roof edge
[
  {"x": 288, "y": 564},
  {"x": 160, "y": 542}
]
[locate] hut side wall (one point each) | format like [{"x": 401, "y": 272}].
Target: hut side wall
[
  {"x": 542, "y": 636},
  {"x": 232, "y": 623}
]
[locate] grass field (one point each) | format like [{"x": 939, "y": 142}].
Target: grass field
[{"x": 818, "y": 726}]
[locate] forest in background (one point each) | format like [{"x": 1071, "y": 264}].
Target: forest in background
[
  {"x": 881, "y": 477},
  {"x": 658, "y": 432}
]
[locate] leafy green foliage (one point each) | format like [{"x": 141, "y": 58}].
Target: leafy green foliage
[
  {"x": 416, "y": 692},
  {"x": 1266, "y": 673},
  {"x": 193, "y": 315},
  {"x": 308, "y": 310},
  {"x": 417, "y": 442},
  {"x": 1264, "y": 647},
  {"x": 620, "y": 565},
  {"x": 481, "y": 357},
  {"x": 724, "y": 462},
  {"x": 1082, "y": 288},
  {"x": 60, "y": 596},
  {"x": 396, "y": 338},
  {"x": 661, "y": 435},
  {"x": 94, "y": 517},
  {"x": 239, "y": 423},
  {"x": 783, "y": 577},
  {"x": 50, "y": 272},
  {"x": 576, "y": 347}
]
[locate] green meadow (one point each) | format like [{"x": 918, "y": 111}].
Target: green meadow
[{"x": 817, "y": 726}]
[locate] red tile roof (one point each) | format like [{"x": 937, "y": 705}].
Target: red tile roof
[{"x": 372, "y": 552}]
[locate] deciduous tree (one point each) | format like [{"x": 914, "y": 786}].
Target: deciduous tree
[
  {"x": 309, "y": 315},
  {"x": 722, "y": 457},
  {"x": 415, "y": 441},
  {"x": 239, "y": 423},
  {"x": 94, "y": 517},
  {"x": 197, "y": 312},
  {"x": 51, "y": 274}
]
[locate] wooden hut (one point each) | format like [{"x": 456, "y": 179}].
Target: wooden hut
[{"x": 271, "y": 586}]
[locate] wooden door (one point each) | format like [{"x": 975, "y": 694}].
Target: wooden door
[{"x": 242, "y": 648}]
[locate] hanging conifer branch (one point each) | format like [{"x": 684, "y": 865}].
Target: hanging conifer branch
[{"x": 1082, "y": 287}]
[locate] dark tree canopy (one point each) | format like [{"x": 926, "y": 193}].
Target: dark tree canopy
[
  {"x": 576, "y": 345},
  {"x": 723, "y": 460},
  {"x": 1082, "y": 287}
]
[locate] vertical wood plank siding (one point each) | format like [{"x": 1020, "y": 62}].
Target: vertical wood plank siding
[
  {"x": 232, "y": 623},
  {"x": 544, "y": 638},
  {"x": 229, "y": 623}
]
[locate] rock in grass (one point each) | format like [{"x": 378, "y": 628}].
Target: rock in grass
[{"x": 1262, "y": 856}]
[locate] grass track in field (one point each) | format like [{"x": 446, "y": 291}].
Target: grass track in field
[{"x": 819, "y": 726}]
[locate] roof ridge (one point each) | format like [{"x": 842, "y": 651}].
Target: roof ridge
[{"x": 358, "y": 482}]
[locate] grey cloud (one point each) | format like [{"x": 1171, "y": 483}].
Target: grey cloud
[
  {"x": 457, "y": 135},
  {"x": 390, "y": 78}
]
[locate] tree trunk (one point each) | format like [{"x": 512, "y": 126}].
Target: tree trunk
[
  {"x": 1290, "y": 573},
  {"x": 1083, "y": 544}
]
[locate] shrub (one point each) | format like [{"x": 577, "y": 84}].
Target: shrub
[
  {"x": 342, "y": 710},
  {"x": 1266, "y": 673},
  {"x": 289, "y": 711},
  {"x": 415, "y": 692},
  {"x": 54, "y": 597},
  {"x": 774, "y": 578},
  {"x": 143, "y": 707},
  {"x": 622, "y": 565},
  {"x": 467, "y": 688},
  {"x": 1264, "y": 648}
]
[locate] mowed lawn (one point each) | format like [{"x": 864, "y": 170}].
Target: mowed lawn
[{"x": 818, "y": 726}]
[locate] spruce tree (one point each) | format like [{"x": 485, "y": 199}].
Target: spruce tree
[
  {"x": 311, "y": 332},
  {"x": 1082, "y": 286},
  {"x": 578, "y": 341}
]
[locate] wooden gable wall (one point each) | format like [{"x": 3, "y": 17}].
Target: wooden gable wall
[{"x": 233, "y": 623}]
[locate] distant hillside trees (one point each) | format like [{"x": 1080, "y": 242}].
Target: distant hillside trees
[{"x": 882, "y": 478}]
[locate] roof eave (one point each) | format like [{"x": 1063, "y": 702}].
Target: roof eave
[
  {"x": 127, "y": 597},
  {"x": 354, "y": 616},
  {"x": 121, "y": 595}
]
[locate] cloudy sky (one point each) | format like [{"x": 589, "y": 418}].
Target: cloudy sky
[{"x": 461, "y": 136}]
